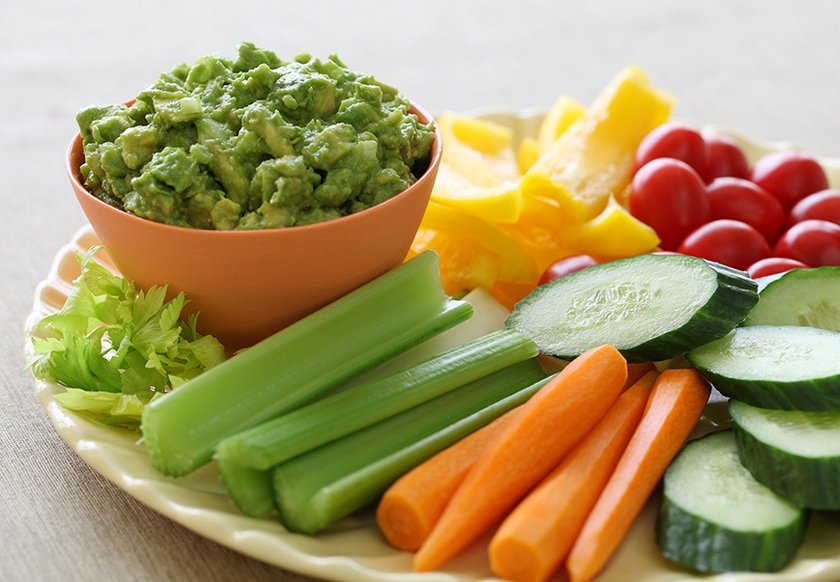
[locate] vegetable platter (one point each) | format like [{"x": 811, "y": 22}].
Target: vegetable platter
[{"x": 354, "y": 549}]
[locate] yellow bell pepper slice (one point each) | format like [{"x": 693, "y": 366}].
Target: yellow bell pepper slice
[
  {"x": 559, "y": 118},
  {"x": 527, "y": 154},
  {"x": 498, "y": 203},
  {"x": 593, "y": 159},
  {"x": 613, "y": 233},
  {"x": 542, "y": 233},
  {"x": 472, "y": 158},
  {"x": 516, "y": 265},
  {"x": 478, "y": 172},
  {"x": 479, "y": 134},
  {"x": 464, "y": 264},
  {"x": 481, "y": 169}
]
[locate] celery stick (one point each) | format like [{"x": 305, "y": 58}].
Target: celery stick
[
  {"x": 328, "y": 419},
  {"x": 488, "y": 316},
  {"x": 322, "y": 486},
  {"x": 296, "y": 365},
  {"x": 249, "y": 489},
  {"x": 245, "y": 458}
]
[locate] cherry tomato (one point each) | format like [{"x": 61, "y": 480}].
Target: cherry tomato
[
  {"x": 814, "y": 242},
  {"x": 789, "y": 176},
  {"x": 823, "y": 205},
  {"x": 730, "y": 242},
  {"x": 565, "y": 266},
  {"x": 742, "y": 200},
  {"x": 724, "y": 158},
  {"x": 670, "y": 197},
  {"x": 673, "y": 140},
  {"x": 773, "y": 265}
]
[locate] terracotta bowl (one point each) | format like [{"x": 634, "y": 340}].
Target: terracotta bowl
[{"x": 249, "y": 284}]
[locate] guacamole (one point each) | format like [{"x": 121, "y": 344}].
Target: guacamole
[{"x": 254, "y": 143}]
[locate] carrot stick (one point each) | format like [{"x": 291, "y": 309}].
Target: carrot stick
[
  {"x": 544, "y": 430},
  {"x": 533, "y": 541},
  {"x": 410, "y": 508},
  {"x": 674, "y": 407}
]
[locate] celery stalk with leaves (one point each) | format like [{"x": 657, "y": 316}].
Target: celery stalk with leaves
[{"x": 115, "y": 347}]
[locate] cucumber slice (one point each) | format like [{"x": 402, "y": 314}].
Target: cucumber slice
[
  {"x": 715, "y": 517},
  {"x": 650, "y": 307},
  {"x": 787, "y": 367},
  {"x": 794, "y": 453},
  {"x": 763, "y": 282},
  {"x": 800, "y": 297}
]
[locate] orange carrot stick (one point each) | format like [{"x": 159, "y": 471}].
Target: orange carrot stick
[
  {"x": 411, "y": 506},
  {"x": 535, "y": 538},
  {"x": 674, "y": 407},
  {"x": 544, "y": 430}
]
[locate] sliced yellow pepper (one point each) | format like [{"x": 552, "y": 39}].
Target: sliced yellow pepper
[
  {"x": 542, "y": 233},
  {"x": 498, "y": 203},
  {"x": 527, "y": 154},
  {"x": 613, "y": 233},
  {"x": 479, "y": 134},
  {"x": 464, "y": 264},
  {"x": 478, "y": 172},
  {"x": 481, "y": 169},
  {"x": 485, "y": 165},
  {"x": 593, "y": 159},
  {"x": 559, "y": 118},
  {"x": 516, "y": 265}
]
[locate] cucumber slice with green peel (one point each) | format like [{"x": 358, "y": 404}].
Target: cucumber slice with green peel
[
  {"x": 715, "y": 517},
  {"x": 794, "y": 453},
  {"x": 650, "y": 307},
  {"x": 784, "y": 367},
  {"x": 809, "y": 297},
  {"x": 763, "y": 282}
]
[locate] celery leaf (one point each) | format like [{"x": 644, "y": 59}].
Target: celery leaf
[{"x": 115, "y": 347}]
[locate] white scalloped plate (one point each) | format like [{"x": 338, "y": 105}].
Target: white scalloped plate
[{"x": 353, "y": 551}]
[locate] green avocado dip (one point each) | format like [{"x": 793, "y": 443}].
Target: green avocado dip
[{"x": 254, "y": 143}]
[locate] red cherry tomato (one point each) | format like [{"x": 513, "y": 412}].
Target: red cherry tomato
[
  {"x": 823, "y": 205},
  {"x": 724, "y": 158},
  {"x": 670, "y": 197},
  {"x": 773, "y": 265},
  {"x": 673, "y": 140},
  {"x": 730, "y": 242},
  {"x": 565, "y": 266},
  {"x": 789, "y": 176},
  {"x": 814, "y": 242},
  {"x": 742, "y": 200}
]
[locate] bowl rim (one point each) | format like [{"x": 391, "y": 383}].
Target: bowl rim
[{"x": 435, "y": 155}]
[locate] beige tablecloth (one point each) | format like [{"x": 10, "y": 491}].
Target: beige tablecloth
[{"x": 768, "y": 70}]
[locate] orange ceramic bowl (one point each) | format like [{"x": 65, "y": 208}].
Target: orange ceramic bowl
[{"x": 249, "y": 284}]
